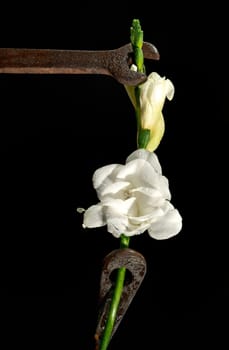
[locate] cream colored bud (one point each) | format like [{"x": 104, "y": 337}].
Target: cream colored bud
[{"x": 152, "y": 98}]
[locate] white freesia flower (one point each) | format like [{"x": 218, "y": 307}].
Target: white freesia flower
[
  {"x": 134, "y": 197},
  {"x": 152, "y": 98}
]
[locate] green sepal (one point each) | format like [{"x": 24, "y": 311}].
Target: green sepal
[{"x": 143, "y": 138}]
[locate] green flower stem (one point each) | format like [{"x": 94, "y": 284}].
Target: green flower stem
[
  {"x": 117, "y": 293},
  {"x": 136, "y": 37}
]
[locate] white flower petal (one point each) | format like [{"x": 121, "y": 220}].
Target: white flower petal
[
  {"x": 130, "y": 206},
  {"x": 154, "y": 77},
  {"x": 114, "y": 188},
  {"x": 93, "y": 216},
  {"x": 159, "y": 182},
  {"x": 155, "y": 213},
  {"x": 170, "y": 90},
  {"x": 131, "y": 168},
  {"x": 147, "y": 199},
  {"x": 139, "y": 173},
  {"x": 105, "y": 175},
  {"x": 148, "y": 156},
  {"x": 156, "y": 134},
  {"x": 116, "y": 225},
  {"x": 116, "y": 220},
  {"x": 166, "y": 226},
  {"x": 133, "y": 230},
  {"x": 164, "y": 187}
]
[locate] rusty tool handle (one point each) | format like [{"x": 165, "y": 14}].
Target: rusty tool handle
[
  {"x": 46, "y": 61},
  {"x": 115, "y": 63}
]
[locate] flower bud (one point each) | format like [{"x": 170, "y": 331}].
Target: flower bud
[{"x": 152, "y": 98}]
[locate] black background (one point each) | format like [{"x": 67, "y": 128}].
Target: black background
[{"x": 56, "y": 130}]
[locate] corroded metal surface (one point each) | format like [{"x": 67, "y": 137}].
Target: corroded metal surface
[
  {"x": 135, "y": 263},
  {"x": 115, "y": 63}
]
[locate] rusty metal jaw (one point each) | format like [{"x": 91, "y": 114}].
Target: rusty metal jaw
[{"x": 135, "y": 263}]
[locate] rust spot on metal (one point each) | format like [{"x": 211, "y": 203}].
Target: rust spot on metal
[
  {"x": 115, "y": 63},
  {"x": 135, "y": 263}
]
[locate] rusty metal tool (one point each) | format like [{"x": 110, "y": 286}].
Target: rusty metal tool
[
  {"x": 135, "y": 263},
  {"x": 115, "y": 63}
]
